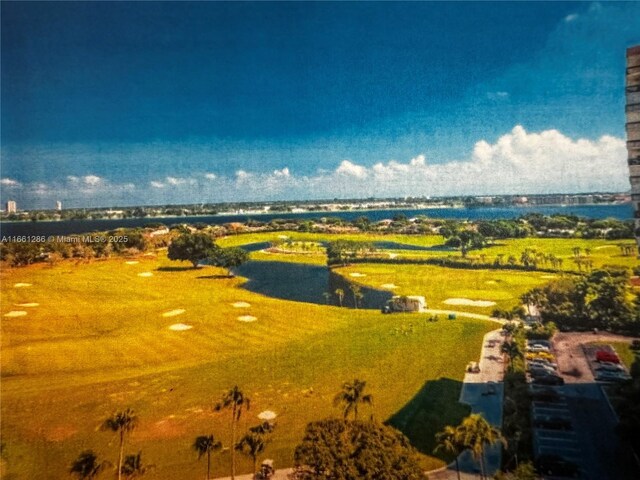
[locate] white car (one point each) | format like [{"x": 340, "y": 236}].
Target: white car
[{"x": 538, "y": 348}]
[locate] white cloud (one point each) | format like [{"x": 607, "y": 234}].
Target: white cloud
[
  {"x": 73, "y": 179},
  {"x": 282, "y": 173},
  {"x": 91, "y": 180},
  {"x": 571, "y": 17},
  {"x": 155, "y": 184},
  {"x": 175, "y": 181},
  {"x": 351, "y": 169},
  {"x": 210, "y": 176},
  {"x": 9, "y": 182}
]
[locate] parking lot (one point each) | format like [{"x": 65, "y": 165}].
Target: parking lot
[{"x": 574, "y": 423}]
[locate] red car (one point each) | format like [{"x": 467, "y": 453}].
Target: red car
[{"x": 605, "y": 356}]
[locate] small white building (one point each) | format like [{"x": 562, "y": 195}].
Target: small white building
[{"x": 406, "y": 303}]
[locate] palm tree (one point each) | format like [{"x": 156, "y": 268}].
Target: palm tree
[
  {"x": 357, "y": 294},
  {"x": 327, "y": 297},
  {"x": 351, "y": 396},
  {"x": 476, "y": 433},
  {"x": 252, "y": 445},
  {"x": 86, "y": 466},
  {"x": 133, "y": 466},
  {"x": 340, "y": 294},
  {"x": 448, "y": 440},
  {"x": 512, "y": 350},
  {"x": 121, "y": 423},
  {"x": 205, "y": 444},
  {"x": 235, "y": 400}
]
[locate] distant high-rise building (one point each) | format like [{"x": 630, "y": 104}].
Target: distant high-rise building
[
  {"x": 12, "y": 207},
  {"x": 58, "y": 205},
  {"x": 633, "y": 130}
]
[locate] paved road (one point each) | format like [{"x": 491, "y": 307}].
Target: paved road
[{"x": 474, "y": 393}]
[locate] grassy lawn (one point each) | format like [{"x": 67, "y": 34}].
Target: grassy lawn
[
  {"x": 98, "y": 342},
  {"x": 601, "y": 252},
  {"x": 438, "y": 284}
]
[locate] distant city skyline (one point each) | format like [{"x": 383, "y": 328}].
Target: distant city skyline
[{"x": 142, "y": 103}]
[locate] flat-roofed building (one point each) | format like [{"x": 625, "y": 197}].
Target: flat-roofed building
[
  {"x": 12, "y": 207},
  {"x": 632, "y": 92}
]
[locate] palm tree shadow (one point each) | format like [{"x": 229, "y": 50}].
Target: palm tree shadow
[
  {"x": 428, "y": 412},
  {"x": 214, "y": 277}
]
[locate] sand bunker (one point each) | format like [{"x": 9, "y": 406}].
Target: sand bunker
[
  {"x": 282, "y": 237},
  {"x": 469, "y": 303},
  {"x": 173, "y": 313},
  {"x": 132, "y": 262},
  {"x": 28, "y": 305},
  {"x": 21, "y": 285},
  {"x": 15, "y": 313},
  {"x": 490, "y": 282},
  {"x": 549, "y": 276},
  {"x": 180, "y": 327},
  {"x": 393, "y": 255},
  {"x": 241, "y": 304},
  {"x": 356, "y": 274},
  {"x": 267, "y": 415},
  {"x": 247, "y": 318},
  {"x": 389, "y": 285},
  {"x": 145, "y": 274}
]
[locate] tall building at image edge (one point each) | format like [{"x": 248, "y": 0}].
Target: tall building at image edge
[{"x": 633, "y": 130}]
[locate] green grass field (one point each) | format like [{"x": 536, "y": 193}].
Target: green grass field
[
  {"x": 98, "y": 342},
  {"x": 438, "y": 284}
]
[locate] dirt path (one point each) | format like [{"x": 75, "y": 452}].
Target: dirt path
[{"x": 478, "y": 316}]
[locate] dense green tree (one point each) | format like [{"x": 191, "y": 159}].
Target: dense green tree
[
  {"x": 206, "y": 445},
  {"x": 229, "y": 258},
  {"x": 133, "y": 467},
  {"x": 193, "y": 247},
  {"x": 335, "y": 449},
  {"x": 351, "y": 396},
  {"x": 512, "y": 350}
]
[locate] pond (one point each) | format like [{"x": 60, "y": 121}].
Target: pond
[{"x": 305, "y": 283}]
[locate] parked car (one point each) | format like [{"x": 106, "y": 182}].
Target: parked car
[
  {"x": 610, "y": 367},
  {"x": 606, "y": 376},
  {"x": 552, "y": 423},
  {"x": 538, "y": 371},
  {"x": 473, "y": 367},
  {"x": 539, "y": 355},
  {"x": 548, "y": 380},
  {"x": 555, "y": 465},
  {"x": 538, "y": 348},
  {"x": 606, "y": 356},
  {"x": 544, "y": 363}
]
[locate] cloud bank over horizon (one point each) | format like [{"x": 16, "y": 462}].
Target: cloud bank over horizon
[{"x": 519, "y": 162}]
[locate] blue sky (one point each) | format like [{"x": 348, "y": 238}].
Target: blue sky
[{"x": 156, "y": 102}]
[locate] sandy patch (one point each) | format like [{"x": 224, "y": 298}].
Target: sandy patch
[
  {"x": 393, "y": 255},
  {"x": 356, "y": 274},
  {"x": 173, "y": 313},
  {"x": 145, "y": 274},
  {"x": 267, "y": 415},
  {"x": 241, "y": 304},
  {"x": 148, "y": 254},
  {"x": 282, "y": 237},
  {"x": 549, "y": 276},
  {"x": 15, "y": 313},
  {"x": 180, "y": 327},
  {"x": 389, "y": 285},
  {"x": 247, "y": 318},
  {"x": 21, "y": 285},
  {"x": 469, "y": 303},
  {"x": 28, "y": 305},
  {"x": 132, "y": 262},
  {"x": 490, "y": 282}
]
